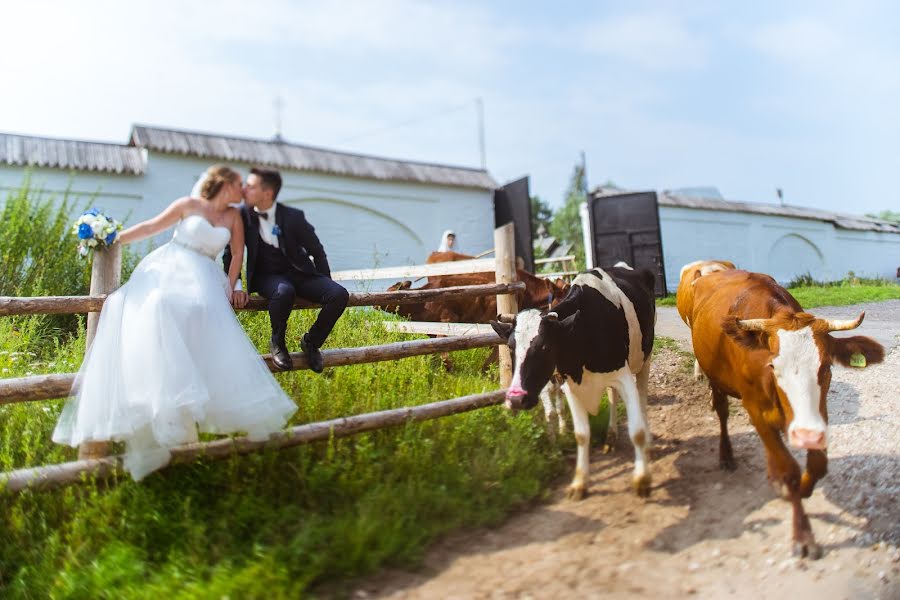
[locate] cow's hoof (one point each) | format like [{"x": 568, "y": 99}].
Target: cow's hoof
[
  {"x": 642, "y": 485},
  {"x": 727, "y": 464},
  {"x": 575, "y": 492},
  {"x": 809, "y": 549},
  {"x": 610, "y": 444}
]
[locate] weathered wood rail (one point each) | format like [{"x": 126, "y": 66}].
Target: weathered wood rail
[
  {"x": 55, "y": 305},
  {"x": 101, "y": 468},
  {"x": 93, "y": 461}
]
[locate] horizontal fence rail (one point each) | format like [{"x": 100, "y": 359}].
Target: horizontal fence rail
[
  {"x": 50, "y": 476},
  {"x": 46, "y": 387},
  {"x": 47, "y": 305},
  {"x": 456, "y": 267}
]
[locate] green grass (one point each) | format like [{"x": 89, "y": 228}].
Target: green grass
[{"x": 269, "y": 525}]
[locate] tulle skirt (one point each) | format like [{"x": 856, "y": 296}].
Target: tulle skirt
[{"x": 170, "y": 358}]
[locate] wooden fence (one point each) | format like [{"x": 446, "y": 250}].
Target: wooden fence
[{"x": 105, "y": 277}]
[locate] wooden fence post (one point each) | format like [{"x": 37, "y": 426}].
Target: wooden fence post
[
  {"x": 505, "y": 257},
  {"x": 106, "y": 275}
]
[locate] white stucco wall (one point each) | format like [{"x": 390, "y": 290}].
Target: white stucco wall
[
  {"x": 783, "y": 247},
  {"x": 361, "y": 222}
]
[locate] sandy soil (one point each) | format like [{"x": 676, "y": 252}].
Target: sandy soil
[{"x": 703, "y": 532}]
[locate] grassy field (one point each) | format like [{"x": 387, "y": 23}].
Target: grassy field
[{"x": 839, "y": 293}]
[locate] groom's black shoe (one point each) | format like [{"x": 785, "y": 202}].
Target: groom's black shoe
[
  {"x": 313, "y": 356},
  {"x": 280, "y": 356}
]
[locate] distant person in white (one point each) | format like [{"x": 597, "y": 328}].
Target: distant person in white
[{"x": 448, "y": 242}]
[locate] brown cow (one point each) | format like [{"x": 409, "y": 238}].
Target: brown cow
[{"x": 755, "y": 342}]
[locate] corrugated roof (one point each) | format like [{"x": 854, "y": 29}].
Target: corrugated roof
[
  {"x": 30, "y": 151},
  {"x": 284, "y": 155},
  {"x": 840, "y": 220}
]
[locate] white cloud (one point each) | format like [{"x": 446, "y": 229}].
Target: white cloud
[{"x": 654, "y": 41}]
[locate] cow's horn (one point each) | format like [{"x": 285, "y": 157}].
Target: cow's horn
[
  {"x": 506, "y": 318},
  {"x": 845, "y": 324},
  {"x": 753, "y": 324}
]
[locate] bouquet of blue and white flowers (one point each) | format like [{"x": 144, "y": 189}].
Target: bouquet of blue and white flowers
[{"x": 94, "y": 229}]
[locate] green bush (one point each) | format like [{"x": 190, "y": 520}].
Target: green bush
[{"x": 38, "y": 254}]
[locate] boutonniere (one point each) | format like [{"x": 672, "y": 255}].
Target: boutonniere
[{"x": 276, "y": 230}]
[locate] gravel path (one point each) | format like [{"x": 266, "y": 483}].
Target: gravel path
[{"x": 703, "y": 533}]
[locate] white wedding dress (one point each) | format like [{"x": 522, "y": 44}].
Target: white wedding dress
[{"x": 170, "y": 357}]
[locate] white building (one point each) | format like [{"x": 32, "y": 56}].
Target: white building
[
  {"x": 782, "y": 241},
  {"x": 368, "y": 211}
]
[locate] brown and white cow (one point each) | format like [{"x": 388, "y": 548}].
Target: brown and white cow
[
  {"x": 600, "y": 336},
  {"x": 755, "y": 342}
]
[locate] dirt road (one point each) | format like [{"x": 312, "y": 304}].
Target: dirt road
[{"x": 703, "y": 533}]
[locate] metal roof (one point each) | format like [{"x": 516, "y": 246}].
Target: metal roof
[
  {"x": 280, "y": 154},
  {"x": 839, "y": 220},
  {"x": 30, "y": 151}
]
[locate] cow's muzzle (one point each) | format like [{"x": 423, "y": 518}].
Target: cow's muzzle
[
  {"x": 808, "y": 439},
  {"x": 515, "y": 397}
]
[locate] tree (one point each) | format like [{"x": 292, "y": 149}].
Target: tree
[
  {"x": 541, "y": 215},
  {"x": 566, "y": 224},
  {"x": 886, "y": 215}
]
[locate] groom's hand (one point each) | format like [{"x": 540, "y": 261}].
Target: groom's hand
[{"x": 239, "y": 298}]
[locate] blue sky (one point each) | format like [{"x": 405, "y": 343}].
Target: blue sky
[{"x": 659, "y": 95}]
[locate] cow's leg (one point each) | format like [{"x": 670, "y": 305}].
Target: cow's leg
[
  {"x": 560, "y": 407},
  {"x": 612, "y": 429},
  {"x": 816, "y": 469},
  {"x": 550, "y": 415},
  {"x": 784, "y": 470},
  {"x": 698, "y": 372},
  {"x": 639, "y": 433},
  {"x": 726, "y": 455},
  {"x": 582, "y": 429}
]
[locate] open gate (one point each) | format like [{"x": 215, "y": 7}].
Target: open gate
[
  {"x": 626, "y": 227},
  {"x": 512, "y": 204}
]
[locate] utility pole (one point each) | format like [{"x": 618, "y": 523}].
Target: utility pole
[
  {"x": 584, "y": 182},
  {"x": 780, "y": 194},
  {"x": 479, "y": 109},
  {"x": 278, "y": 105}
]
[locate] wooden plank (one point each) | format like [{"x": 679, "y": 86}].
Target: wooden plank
[
  {"x": 558, "y": 274},
  {"x": 543, "y": 261},
  {"x": 45, "y": 305},
  {"x": 45, "y": 387},
  {"x": 431, "y": 328},
  {"x": 457, "y": 267},
  {"x": 53, "y": 476}
]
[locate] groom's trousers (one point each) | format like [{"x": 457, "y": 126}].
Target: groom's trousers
[{"x": 281, "y": 290}]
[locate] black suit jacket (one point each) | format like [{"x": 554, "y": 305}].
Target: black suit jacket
[{"x": 297, "y": 240}]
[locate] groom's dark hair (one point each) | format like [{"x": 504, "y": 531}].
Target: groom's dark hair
[{"x": 270, "y": 178}]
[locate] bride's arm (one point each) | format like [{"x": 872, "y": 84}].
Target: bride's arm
[
  {"x": 237, "y": 247},
  {"x": 159, "y": 223}
]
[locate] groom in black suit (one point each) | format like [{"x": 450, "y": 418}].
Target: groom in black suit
[{"x": 285, "y": 259}]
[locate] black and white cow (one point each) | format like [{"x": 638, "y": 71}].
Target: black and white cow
[{"x": 599, "y": 336}]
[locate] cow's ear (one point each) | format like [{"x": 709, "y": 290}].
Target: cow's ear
[
  {"x": 504, "y": 330},
  {"x": 752, "y": 339},
  {"x": 856, "y": 351},
  {"x": 569, "y": 304}
]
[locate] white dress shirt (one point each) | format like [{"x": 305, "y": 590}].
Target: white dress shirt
[
  {"x": 265, "y": 232},
  {"x": 266, "y": 225}
]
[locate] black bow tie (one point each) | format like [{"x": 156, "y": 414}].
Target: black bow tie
[{"x": 263, "y": 215}]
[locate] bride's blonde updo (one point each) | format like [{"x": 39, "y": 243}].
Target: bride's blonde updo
[{"x": 216, "y": 177}]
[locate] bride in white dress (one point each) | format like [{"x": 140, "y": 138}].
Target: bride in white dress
[{"x": 170, "y": 356}]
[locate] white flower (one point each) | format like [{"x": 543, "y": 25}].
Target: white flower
[
  {"x": 83, "y": 250},
  {"x": 92, "y": 242}
]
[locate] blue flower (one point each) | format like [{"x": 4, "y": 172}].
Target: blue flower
[
  {"x": 111, "y": 237},
  {"x": 85, "y": 231},
  {"x": 92, "y": 211},
  {"x": 276, "y": 231}
]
